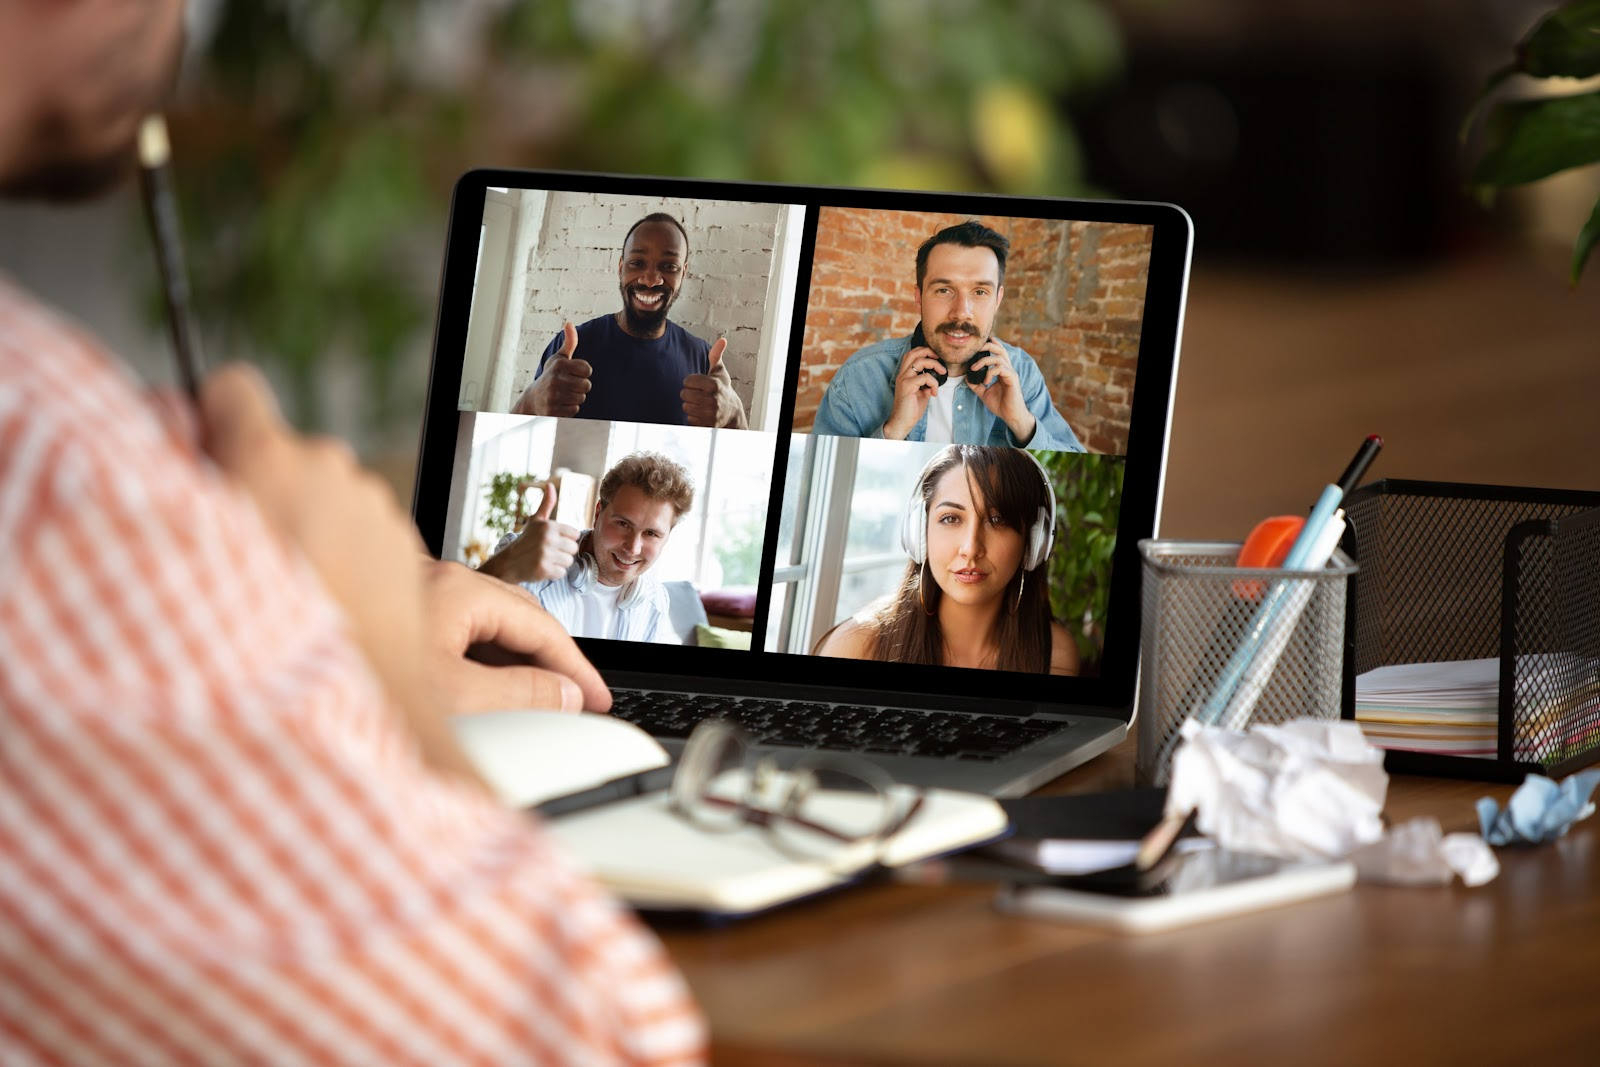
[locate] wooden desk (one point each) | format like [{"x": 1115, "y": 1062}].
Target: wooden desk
[{"x": 890, "y": 974}]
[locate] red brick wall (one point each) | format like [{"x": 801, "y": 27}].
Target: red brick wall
[{"x": 1074, "y": 300}]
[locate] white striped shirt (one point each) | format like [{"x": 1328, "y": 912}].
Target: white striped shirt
[
  {"x": 643, "y": 612},
  {"x": 217, "y": 848}
]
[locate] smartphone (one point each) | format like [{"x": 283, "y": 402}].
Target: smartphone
[
  {"x": 1191, "y": 887},
  {"x": 974, "y": 377}
]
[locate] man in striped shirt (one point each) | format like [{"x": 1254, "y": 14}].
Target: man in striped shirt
[
  {"x": 595, "y": 582},
  {"x": 234, "y": 825}
]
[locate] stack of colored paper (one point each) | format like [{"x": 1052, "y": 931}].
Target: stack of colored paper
[{"x": 1450, "y": 708}]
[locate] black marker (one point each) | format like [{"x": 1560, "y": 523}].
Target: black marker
[
  {"x": 1358, "y": 466},
  {"x": 161, "y": 212}
]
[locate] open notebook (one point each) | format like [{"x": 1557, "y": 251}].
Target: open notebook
[
  {"x": 655, "y": 858},
  {"x": 805, "y": 562}
]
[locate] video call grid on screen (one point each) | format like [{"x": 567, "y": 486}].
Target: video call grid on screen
[{"x": 791, "y": 531}]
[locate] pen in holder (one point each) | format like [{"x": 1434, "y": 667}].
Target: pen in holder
[{"x": 1272, "y": 634}]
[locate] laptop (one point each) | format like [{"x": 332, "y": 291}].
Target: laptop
[{"x": 922, "y": 435}]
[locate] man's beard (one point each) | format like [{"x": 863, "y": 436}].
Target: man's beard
[
  {"x": 956, "y": 362},
  {"x": 645, "y": 322},
  {"x": 58, "y": 169},
  {"x": 64, "y": 180}
]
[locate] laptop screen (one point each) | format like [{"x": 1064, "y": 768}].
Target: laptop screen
[{"x": 885, "y": 442}]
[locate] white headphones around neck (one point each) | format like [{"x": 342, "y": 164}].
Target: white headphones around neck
[
  {"x": 1041, "y": 532},
  {"x": 584, "y": 572}
]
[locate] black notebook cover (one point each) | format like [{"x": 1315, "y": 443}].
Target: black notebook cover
[{"x": 1123, "y": 815}]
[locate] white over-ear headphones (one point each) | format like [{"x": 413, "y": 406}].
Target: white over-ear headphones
[{"x": 1041, "y": 532}]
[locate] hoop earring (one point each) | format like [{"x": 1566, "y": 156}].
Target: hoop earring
[
  {"x": 922, "y": 589},
  {"x": 1022, "y": 580}
]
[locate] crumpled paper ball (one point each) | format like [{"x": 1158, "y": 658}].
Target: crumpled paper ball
[
  {"x": 1313, "y": 789},
  {"x": 1307, "y": 789},
  {"x": 1540, "y": 810},
  {"x": 1419, "y": 852}
]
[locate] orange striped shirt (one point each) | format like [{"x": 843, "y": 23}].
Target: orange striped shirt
[{"x": 215, "y": 847}]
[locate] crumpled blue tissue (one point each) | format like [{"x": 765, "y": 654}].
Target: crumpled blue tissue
[{"x": 1540, "y": 810}]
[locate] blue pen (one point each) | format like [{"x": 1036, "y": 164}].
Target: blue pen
[
  {"x": 1328, "y": 503},
  {"x": 1327, "y": 507}
]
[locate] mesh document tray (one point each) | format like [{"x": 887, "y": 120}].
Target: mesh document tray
[{"x": 1454, "y": 571}]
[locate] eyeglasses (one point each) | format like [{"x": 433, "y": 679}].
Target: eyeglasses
[{"x": 832, "y": 809}]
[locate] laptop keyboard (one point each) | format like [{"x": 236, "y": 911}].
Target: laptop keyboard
[{"x": 838, "y": 727}]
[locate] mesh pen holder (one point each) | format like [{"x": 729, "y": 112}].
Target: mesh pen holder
[{"x": 1200, "y": 610}]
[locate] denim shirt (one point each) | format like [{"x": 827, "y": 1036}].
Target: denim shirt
[{"x": 860, "y": 398}]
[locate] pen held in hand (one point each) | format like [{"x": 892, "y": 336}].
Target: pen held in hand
[{"x": 161, "y": 213}]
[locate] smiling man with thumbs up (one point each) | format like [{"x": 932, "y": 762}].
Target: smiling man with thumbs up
[
  {"x": 635, "y": 365},
  {"x": 595, "y": 582}
]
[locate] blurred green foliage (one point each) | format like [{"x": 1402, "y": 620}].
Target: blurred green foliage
[
  {"x": 1529, "y": 139},
  {"x": 318, "y": 140},
  {"x": 500, "y": 501},
  {"x": 1088, "y": 503},
  {"x": 952, "y": 94}
]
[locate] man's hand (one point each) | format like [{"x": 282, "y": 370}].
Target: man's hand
[
  {"x": 914, "y": 386},
  {"x": 542, "y": 551},
  {"x": 563, "y": 386},
  {"x": 320, "y": 502},
  {"x": 1001, "y": 392},
  {"x": 346, "y": 523},
  {"x": 711, "y": 401},
  {"x": 520, "y": 656}
]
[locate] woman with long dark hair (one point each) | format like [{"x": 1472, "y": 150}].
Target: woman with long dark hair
[{"x": 978, "y": 529}]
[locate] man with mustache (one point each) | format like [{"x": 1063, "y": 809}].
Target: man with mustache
[
  {"x": 637, "y": 366},
  {"x": 917, "y": 388}
]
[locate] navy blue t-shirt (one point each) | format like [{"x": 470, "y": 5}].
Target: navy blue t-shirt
[{"x": 634, "y": 380}]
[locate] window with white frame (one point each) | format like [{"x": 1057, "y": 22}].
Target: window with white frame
[
  {"x": 732, "y": 475},
  {"x": 874, "y": 560},
  {"x": 489, "y": 277},
  {"x": 839, "y": 534},
  {"x": 501, "y": 444},
  {"x": 800, "y": 530}
]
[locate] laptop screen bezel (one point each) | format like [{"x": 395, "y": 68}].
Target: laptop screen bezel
[{"x": 1110, "y": 692}]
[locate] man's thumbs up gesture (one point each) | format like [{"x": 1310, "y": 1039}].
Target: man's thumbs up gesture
[
  {"x": 543, "y": 550},
  {"x": 709, "y": 399},
  {"x": 561, "y": 389}
]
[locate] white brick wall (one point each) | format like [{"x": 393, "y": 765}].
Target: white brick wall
[{"x": 572, "y": 273}]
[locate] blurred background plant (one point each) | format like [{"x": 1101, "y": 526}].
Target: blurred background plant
[
  {"x": 1551, "y": 122},
  {"x": 316, "y": 141},
  {"x": 502, "y": 512},
  {"x": 1313, "y": 144},
  {"x": 1088, "y": 499}
]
